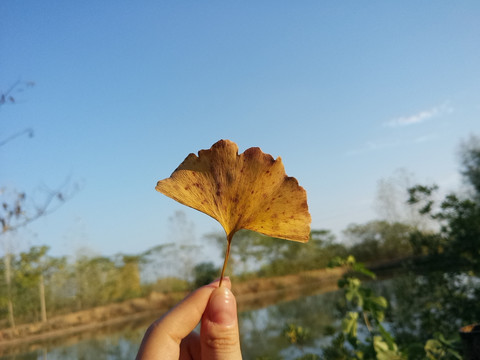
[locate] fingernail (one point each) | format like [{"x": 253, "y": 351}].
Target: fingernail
[{"x": 222, "y": 307}]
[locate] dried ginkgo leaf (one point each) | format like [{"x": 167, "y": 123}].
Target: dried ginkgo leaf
[{"x": 247, "y": 191}]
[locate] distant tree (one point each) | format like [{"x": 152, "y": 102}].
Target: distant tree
[
  {"x": 249, "y": 250},
  {"x": 182, "y": 234},
  {"x": 35, "y": 267},
  {"x": 458, "y": 239},
  {"x": 128, "y": 277},
  {"x": 315, "y": 254},
  {"x": 391, "y": 201},
  {"x": 268, "y": 256},
  {"x": 379, "y": 240},
  {"x": 204, "y": 273},
  {"x": 94, "y": 281},
  {"x": 153, "y": 261},
  {"x": 470, "y": 163}
]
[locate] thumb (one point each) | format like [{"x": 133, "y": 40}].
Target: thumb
[{"x": 219, "y": 336}]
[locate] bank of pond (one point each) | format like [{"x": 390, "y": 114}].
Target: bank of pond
[{"x": 420, "y": 306}]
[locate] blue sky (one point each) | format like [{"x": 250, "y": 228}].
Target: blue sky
[{"x": 345, "y": 92}]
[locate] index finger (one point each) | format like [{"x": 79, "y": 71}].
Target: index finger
[{"x": 163, "y": 337}]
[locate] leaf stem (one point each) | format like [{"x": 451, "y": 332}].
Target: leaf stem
[
  {"x": 367, "y": 322},
  {"x": 227, "y": 254}
]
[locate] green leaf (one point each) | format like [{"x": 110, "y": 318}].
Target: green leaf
[
  {"x": 349, "y": 324},
  {"x": 360, "y": 268},
  {"x": 380, "y": 301},
  {"x": 440, "y": 348},
  {"x": 383, "y": 351},
  {"x": 387, "y": 337},
  {"x": 336, "y": 261},
  {"x": 434, "y": 349}
]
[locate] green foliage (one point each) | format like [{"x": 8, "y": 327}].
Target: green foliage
[
  {"x": 296, "y": 334},
  {"x": 34, "y": 269},
  {"x": 169, "y": 284},
  {"x": 101, "y": 280},
  {"x": 386, "y": 350},
  {"x": 458, "y": 240},
  {"x": 363, "y": 335},
  {"x": 267, "y": 256},
  {"x": 470, "y": 161},
  {"x": 435, "y": 301},
  {"x": 292, "y": 257},
  {"x": 349, "y": 324},
  {"x": 309, "y": 357},
  {"x": 457, "y": 243},
  {"x": 379, "y": 240},
  {"x": 41, "y": 283},
  {"x": 441, "y": 349},
  {"x": 204, "y": 273}
]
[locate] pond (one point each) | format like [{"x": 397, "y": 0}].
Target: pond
[
  {"x": 261, "y": 333},
  {"x": 421, "y": 305}
]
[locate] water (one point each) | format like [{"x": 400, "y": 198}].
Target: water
[
  {"x": 420, "y": 306},
  {"x": 261, "y": 334},
  {"x": 262, "y": 330}
]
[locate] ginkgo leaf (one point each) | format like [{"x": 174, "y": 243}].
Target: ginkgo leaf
[{"x": 247, "y": 191}]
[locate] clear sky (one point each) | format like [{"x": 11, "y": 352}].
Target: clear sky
[{"x": 346, "y": 92}]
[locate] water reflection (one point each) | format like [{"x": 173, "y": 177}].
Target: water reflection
[
  {"x": 103, "y": 344},
  {"x": 261, "y": 330},
  {"x": 427, "y": 303},
  {"x": 420, "y": 305}
]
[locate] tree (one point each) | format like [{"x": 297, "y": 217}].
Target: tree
[
  {"x": 33, "y": 270},
  {"x": 391, "y": 201},
  {"x": 364, "y": 310},
  {"x": 128, "y": 277},
  {"x": 17, "y": 210},
  {"x": 8, "y": 97},
  {"x": 296, "y": 257},
  {"x": 204, "y": 273},
  {"x": 182, "y": 232},
  {"x": 458, "y": 238},
  {"x": 254, "y": 252},
  {"x": 379, "y": 240},
  {"x": 470, "y": 163}
]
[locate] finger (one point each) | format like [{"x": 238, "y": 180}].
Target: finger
[
  {"x": 163, "y": 337},
  {"x": 190, "y": 347},
  {"x": 219, "y": 335}
]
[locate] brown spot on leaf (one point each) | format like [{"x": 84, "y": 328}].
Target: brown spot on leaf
[{"x": 225, "y": 177}]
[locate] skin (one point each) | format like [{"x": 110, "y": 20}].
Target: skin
[{"x": 172, "y": 338}]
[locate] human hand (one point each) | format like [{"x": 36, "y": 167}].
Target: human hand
[{"x": 171, "y": 336}]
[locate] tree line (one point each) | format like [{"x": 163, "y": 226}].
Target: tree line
[{"x": 35, "y": 285}]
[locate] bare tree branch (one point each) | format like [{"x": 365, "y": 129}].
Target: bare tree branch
[
  {"x": 17, "y": 212},
  {"x": 7, "y": 97},
  {"x": 28, "y": 132}
]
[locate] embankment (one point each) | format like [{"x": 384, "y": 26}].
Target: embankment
[{"x": 251, "y": 294}]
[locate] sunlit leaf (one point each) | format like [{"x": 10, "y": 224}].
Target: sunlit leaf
[
  {"x": 387, "y": 337},
  {"x": 247, "y": 191},
  {"x": 384, "y": 352},
  {"x": 380, "y": 301},
  {"x": 349, "y": 323}
]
